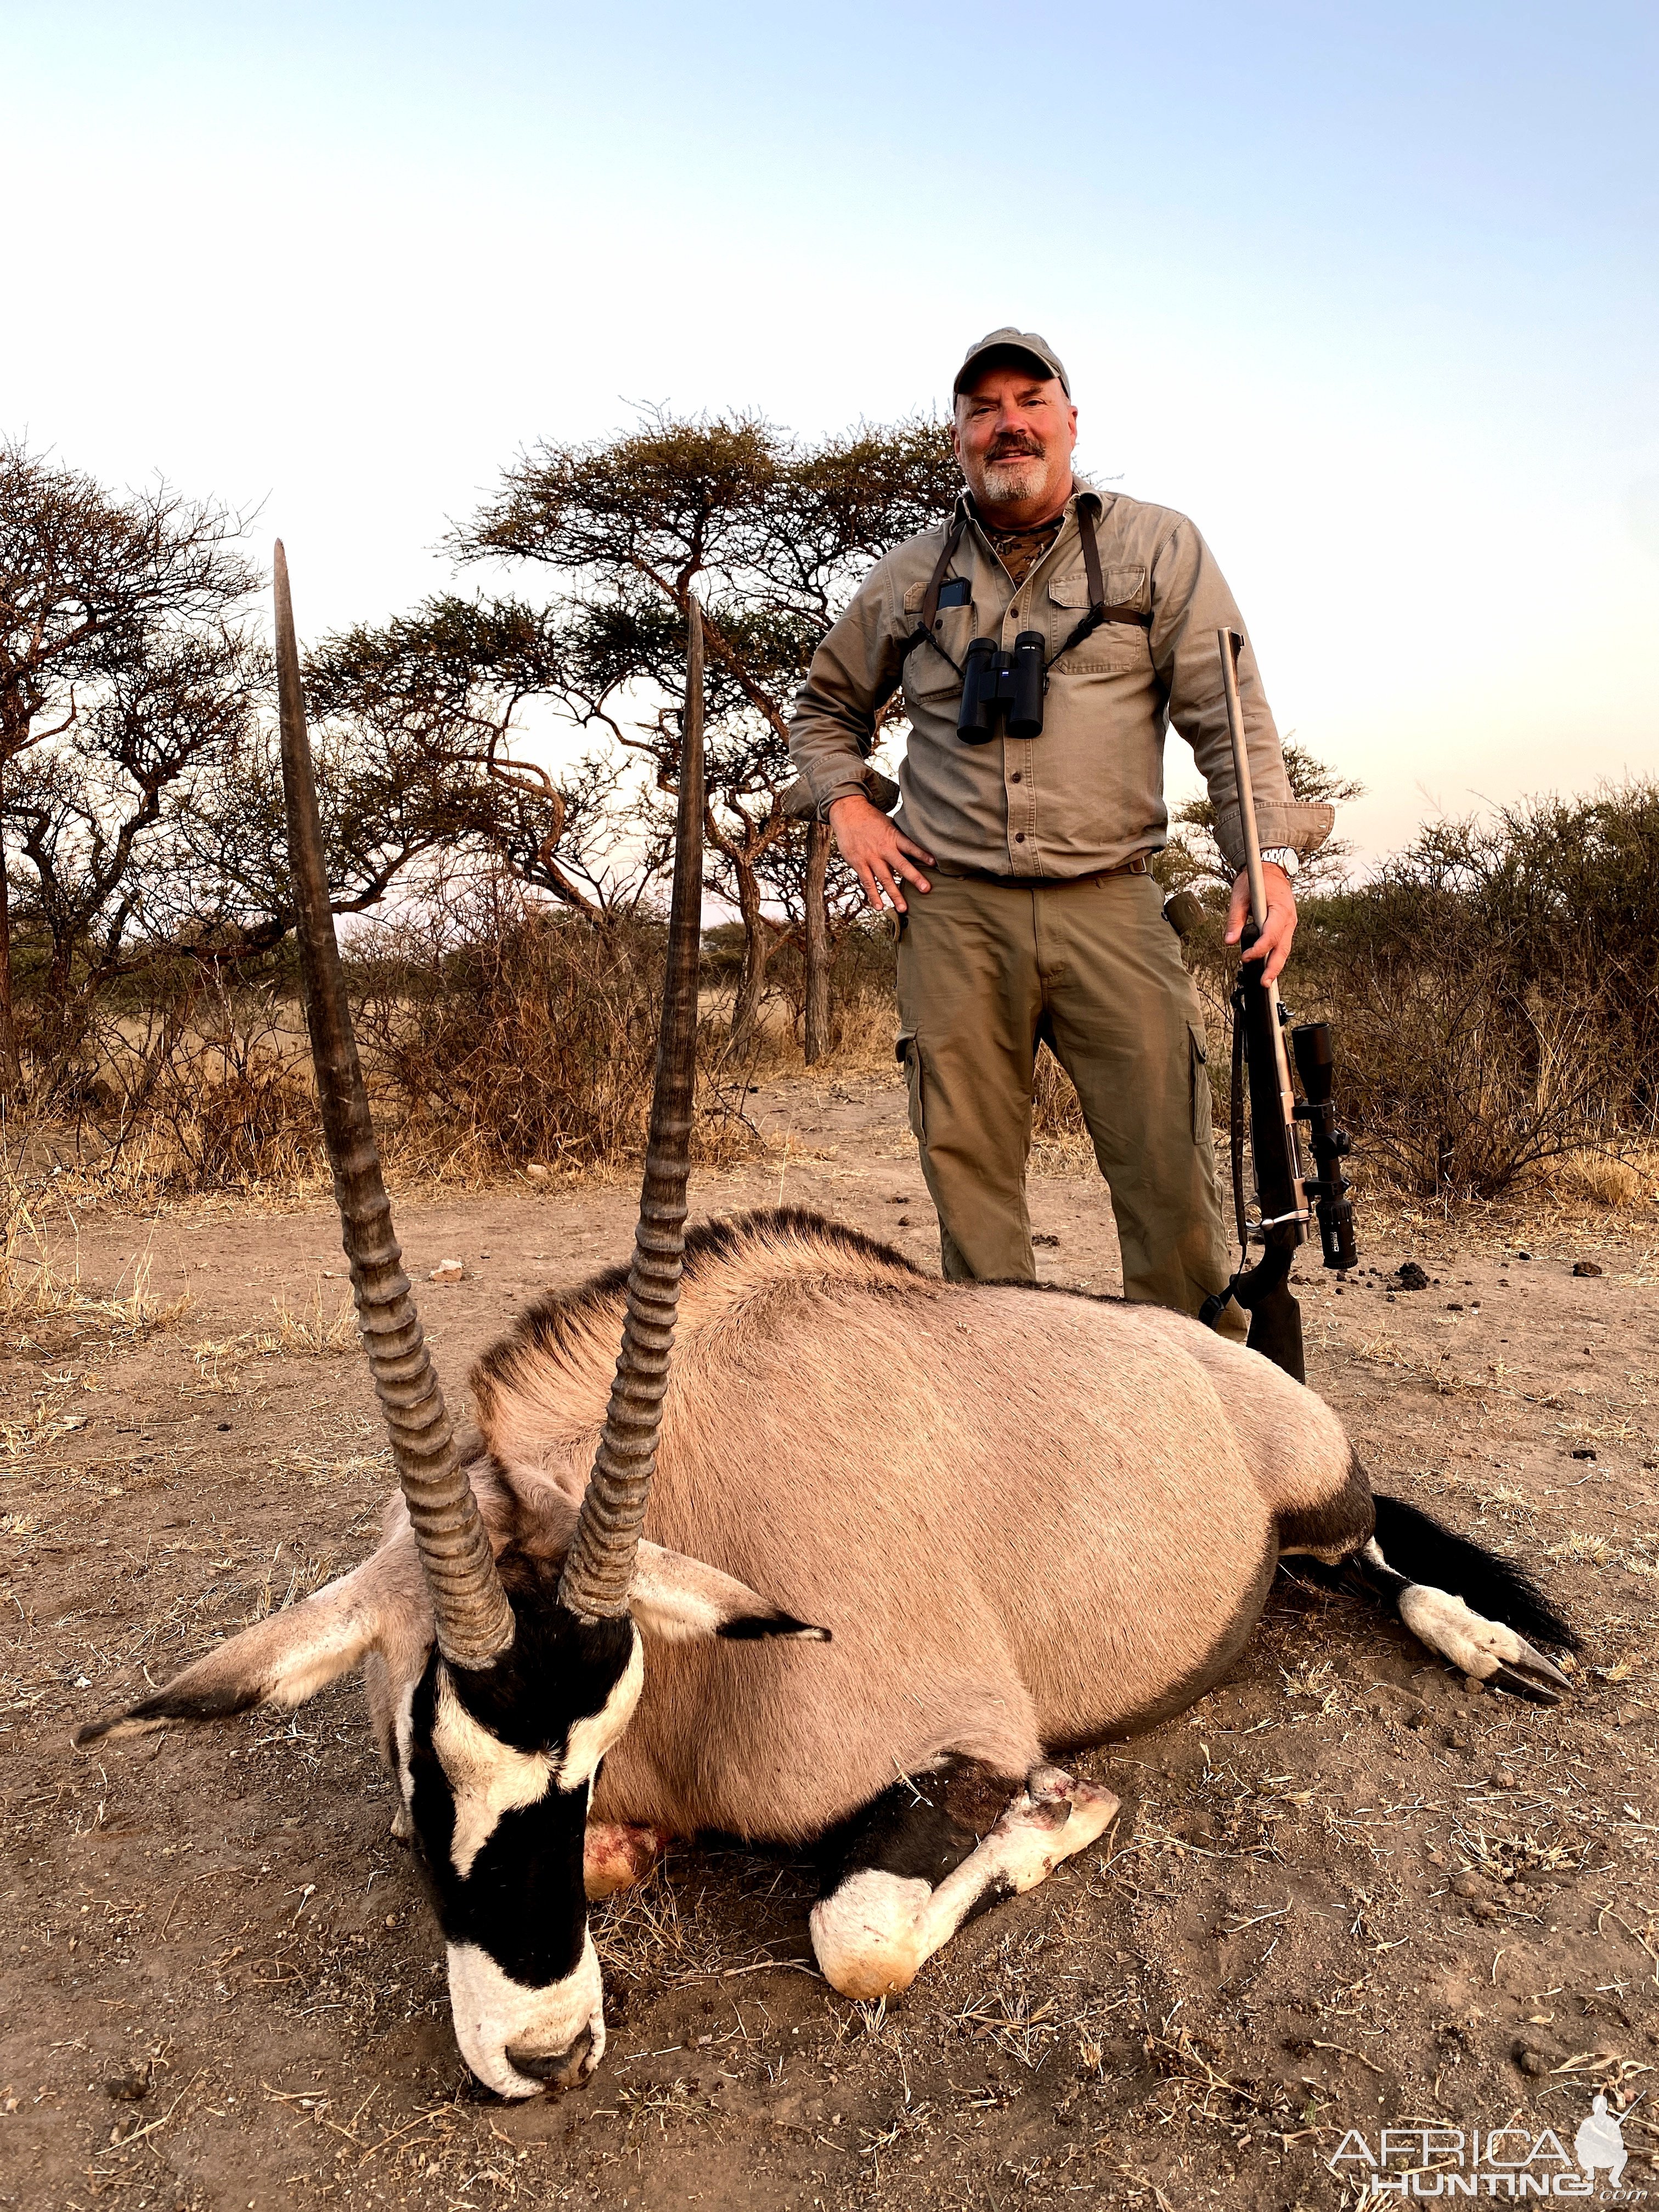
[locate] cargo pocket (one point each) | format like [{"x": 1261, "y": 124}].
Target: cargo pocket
[
  {"x": 1200, "y": 1084},
  {"x": 910, "y": 1052}
]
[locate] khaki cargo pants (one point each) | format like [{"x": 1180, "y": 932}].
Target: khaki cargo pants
[{"x": 985, "y": 970}]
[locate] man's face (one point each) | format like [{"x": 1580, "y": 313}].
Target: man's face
[{"x": 1013, "y": 436}]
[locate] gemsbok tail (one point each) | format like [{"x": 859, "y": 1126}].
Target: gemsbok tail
[{"x": 1415, "y": 1545}]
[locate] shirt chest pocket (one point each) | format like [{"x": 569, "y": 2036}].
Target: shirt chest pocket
[
  {"x": 1113, "y": 645},
  {"x": 928, "y": 674}
]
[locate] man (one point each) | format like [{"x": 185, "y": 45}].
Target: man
[{"x": 1037, "y": 918}]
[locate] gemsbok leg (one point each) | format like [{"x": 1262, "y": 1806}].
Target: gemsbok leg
[
  {"x": 903, "y": 1874},
  {"x": 1444, "y": 1587},
  {"x": 617, "y": 1855}
]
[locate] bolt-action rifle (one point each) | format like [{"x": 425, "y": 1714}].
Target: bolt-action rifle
[{"x": 1286, "y": 1200}]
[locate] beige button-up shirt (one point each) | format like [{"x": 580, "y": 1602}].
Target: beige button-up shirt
[{"x": 1088, "y": 793}]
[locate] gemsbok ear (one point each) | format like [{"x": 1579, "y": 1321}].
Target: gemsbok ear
[
  {"x": 681, "y": 1601},
  {"x": 290, "y": 1656}
]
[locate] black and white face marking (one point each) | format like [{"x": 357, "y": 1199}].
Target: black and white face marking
[
  {"x": 496, "y": 1770},
  {"x": 498, "y": 1773}
]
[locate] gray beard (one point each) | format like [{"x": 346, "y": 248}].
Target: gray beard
[{"x": 1018, "y": 478}]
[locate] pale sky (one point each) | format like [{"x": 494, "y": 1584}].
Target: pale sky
[{"x": 1368, "y": 290}]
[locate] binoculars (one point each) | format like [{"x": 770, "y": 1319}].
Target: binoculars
[{"x": 997, "y": 684}]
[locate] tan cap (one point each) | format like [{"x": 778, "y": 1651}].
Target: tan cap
[{"x": 1009, "y": 340}]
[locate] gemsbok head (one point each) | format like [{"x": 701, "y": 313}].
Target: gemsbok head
[{"x": 535, "y": 1662}]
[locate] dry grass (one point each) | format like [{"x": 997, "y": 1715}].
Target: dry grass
[
  {"x": 312, "y": 1331},
  {"x": 35, "y": 1287},
  {"x": 1492, "y": 991},
  {"x": 493, "y": 1036},
  {"x": 1608, "y": 1182},
  {"x": 1121, "y": 2036},
  {"x": 500, "y": 1041},
  {"x": 1061, "y": 1144}
]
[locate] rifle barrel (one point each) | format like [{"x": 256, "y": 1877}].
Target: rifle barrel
[{"x": 1230, "y": 642}]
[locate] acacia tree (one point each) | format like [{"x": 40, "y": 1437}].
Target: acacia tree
[
  {"x": 385, "y": 806},
  {"x": 150, "y": 831},
  {"x": 622, "y": 667},
  {"x": 445, "y": 683},
  {"x": 91, "y": 807},
  {"x": 151, "y": 837},
  {"x": 773, "y": 536},
  {"x": 820, "y": 905},
  {"x": 94, "y": 586}
]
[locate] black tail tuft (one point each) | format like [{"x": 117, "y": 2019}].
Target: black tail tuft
[{"x": 1416, "y": 1546}]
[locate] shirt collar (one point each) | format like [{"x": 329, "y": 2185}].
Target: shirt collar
[{"x": 1081, "y": 490}]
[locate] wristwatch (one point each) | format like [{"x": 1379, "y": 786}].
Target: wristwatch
[{"x": 1285, "y": 857}]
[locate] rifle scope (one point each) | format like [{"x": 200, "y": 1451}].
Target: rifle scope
[{"x": 1327, "y": 1187}]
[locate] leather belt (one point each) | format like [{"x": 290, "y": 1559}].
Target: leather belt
[{"x": 1137, "y": 865}]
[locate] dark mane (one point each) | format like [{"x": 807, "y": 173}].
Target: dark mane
[
  {"x": 712, "y": 1242},
  {"x": 556, "y": 1322}
]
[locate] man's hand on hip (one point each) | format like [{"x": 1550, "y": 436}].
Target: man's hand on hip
[
  {"x": 875, "y": 852},
  {"x": 1273, "y": 946}
]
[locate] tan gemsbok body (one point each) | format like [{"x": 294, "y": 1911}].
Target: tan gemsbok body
[{"x": 853, "y": 1569}]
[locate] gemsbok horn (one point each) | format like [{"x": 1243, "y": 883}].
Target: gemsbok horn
[
  {"x": 600, "y": 1566},
  {"x": 475, "y": 1623}
]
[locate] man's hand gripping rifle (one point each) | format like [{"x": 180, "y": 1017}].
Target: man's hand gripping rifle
[{"x": 1286, "y": 1200}]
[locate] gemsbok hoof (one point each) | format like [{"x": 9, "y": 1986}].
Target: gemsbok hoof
[{"x": 1485, "y": 1649}]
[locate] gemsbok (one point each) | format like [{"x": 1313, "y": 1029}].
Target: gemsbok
[{"x": 857, "y": 1569}]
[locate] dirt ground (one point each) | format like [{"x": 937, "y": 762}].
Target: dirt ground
[{"x": 1347, "y": 1891}]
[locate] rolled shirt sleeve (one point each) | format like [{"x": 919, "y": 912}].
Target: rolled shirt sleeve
[
  {"x": 853, "y": 673},
  {"x": 1191, "y": 604}
]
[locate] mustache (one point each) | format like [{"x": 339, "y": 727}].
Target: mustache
[{"x": 1015, "y": 444}]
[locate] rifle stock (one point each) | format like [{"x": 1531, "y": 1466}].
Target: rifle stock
[{"x": 1286, "y": 1200}]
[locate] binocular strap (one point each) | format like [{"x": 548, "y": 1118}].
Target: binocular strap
[
  {"x": 923, "y": 632},
  {"x": 1098, "y": 613}
]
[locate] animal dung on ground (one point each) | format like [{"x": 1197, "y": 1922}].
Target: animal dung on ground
[
  {"x": 448, "y": 1271},
  {"x": 1413, "y": 1277},
  {"x": 1585, "y": 1267},
  {"x": 1041, "y": 1238}
]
